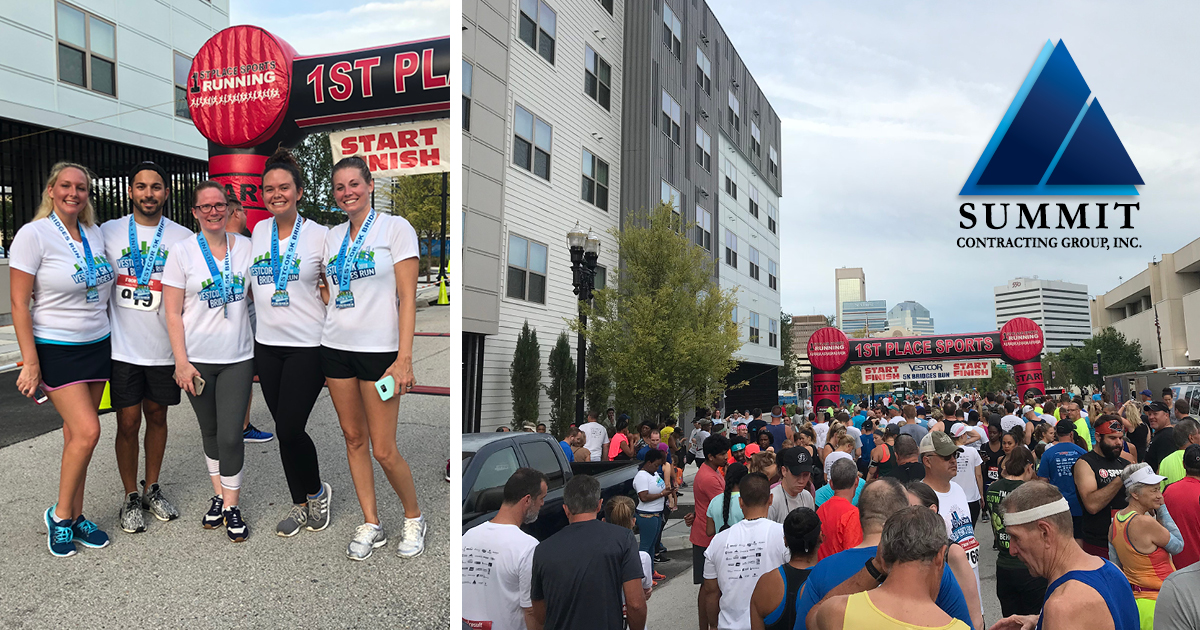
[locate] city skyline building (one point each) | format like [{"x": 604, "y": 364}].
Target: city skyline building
[
  {"x": 869, "y": 315},
  {"x": 850, "y": 285},
  {"x": 911, "y": 316},
  {"x": 1061, "y": 308}
]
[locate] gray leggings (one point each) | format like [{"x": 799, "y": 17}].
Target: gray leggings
[{"x": 221, "y": 410}]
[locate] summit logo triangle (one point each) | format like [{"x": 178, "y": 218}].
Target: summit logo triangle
[{"x": 1055, "y": 139}]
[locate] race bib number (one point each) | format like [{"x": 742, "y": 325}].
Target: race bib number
[
  {"x": 971, "y": 548},
  {"x": 127, "y": 294}
]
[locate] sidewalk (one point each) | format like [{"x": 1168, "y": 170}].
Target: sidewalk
[{"x": 177, "y": 573}]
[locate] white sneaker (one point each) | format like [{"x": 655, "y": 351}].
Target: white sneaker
[
  {"x": 412, "y": 538},
  {"x": 367, "y": 537}
]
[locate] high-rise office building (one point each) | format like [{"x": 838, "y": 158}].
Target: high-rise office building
[
  {"x": 911, "y": 315},
  {"x": 803, "y": 327},
  {"x": 869, "y": 315},
  {"x": 850, "y": 285},
  {"x": 1060, "y": 308}
]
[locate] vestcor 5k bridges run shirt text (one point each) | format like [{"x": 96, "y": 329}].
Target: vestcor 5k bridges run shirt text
[{"x": 216, "y": 332}]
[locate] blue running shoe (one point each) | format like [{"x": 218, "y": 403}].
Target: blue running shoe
[
  {"x": 59, "y": 536},
  {"x": 89, "y": 534},
  {"x": 252, "y": 435}
]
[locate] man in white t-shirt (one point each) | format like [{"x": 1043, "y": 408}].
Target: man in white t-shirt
[
  {"x": 738, "y": 556},
  {"x": 970, "y": 471},
  {"x": 596, "y": 437},
  {"x": 143, "y": 367},
  {"x": 821, "y": 428},
  {"x": 497, "y": 558},
  {"x": 940, "y": 454}
]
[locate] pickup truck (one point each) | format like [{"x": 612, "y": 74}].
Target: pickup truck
[{"x": 489, "y": 459}]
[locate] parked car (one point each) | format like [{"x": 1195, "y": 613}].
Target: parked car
[{"x": 489, "y": 459}]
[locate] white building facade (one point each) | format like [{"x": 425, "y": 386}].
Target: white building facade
[{"x": 1060, "y": 308}]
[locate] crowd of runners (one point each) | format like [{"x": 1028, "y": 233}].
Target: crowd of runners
[
  {"x": 143, "y": 303},
  {"x": 865, "y": 516}
]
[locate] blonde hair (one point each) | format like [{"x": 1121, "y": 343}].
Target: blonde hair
[
  {"x": 1133, "y": 413},
  {"x": 619, "y": 511},
  {"x": 88, "y": 215},
  {"x": 761, "y": 461}
]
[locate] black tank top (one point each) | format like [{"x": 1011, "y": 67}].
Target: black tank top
[
  {"x": 784, "y": 614},
  {"x": 886, "y": 468},
  {"x": 1106, "y": 471}
]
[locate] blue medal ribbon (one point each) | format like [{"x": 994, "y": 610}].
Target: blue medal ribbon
[
  {"x": 346, "y": 261},
  {"x": 223, "y": 279},
  {"x": 281, "y": 267},
  {"x": 140, "y": 269},
  {"x": 84, "y": 260}
]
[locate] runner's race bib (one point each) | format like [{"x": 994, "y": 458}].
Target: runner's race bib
[{"x": 128, "y": 296}]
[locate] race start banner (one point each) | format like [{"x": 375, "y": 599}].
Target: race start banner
[
  {"x": 926, "y": 371},
  {"x": 396, "y": 150}
]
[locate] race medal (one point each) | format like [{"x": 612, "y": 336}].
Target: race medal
[
  {"x": 93, "y": 295},
  {"x": 281, "y": 266},
  {"x": 344, "y": 299},
  {"x": 127, "y": 294},
  {"x": 279, "y": 298},
  {"x": 346, "y": 261},
  {"x": 141, "y": 293}
]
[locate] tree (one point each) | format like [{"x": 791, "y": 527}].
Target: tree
[
  {"x": 561, "y": 389},
  {"x": 787, "y": 373},
  {"x": 666, "y": 329},
  {"x": 525, "y": 375},
  {"x": 1117, "y": 355},
  {"x": 1054, "y": 373},
  {"x": 315, "y": 158},
  {"x": 418, "y": 198},
  {"x": 598, "y": 383},
  {"x": 852, "y": 383}
]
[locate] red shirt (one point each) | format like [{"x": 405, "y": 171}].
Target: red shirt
[
  {"x": 1182, "y": 499},
  {"x": 707, "y": 484},
  {"x": 839, "y": 523}
]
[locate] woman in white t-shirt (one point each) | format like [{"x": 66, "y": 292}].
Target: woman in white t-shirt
[
  {"x": 366, "y": 349},
  {"x": 652, "y": 491},
  {"x": 204, "y": 295},
  {"x": 58, "y": 263},
  {"x": 291, "y": 301}
]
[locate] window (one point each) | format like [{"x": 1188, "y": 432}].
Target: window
[
  {"x": 671, "y": 116},
  {"x": 601, "y": 279},
  {"x": 773, "y": 274},
  {"x": 754, "y": 265},
  {"x": 468, "y": 70},
  {"x": 731, "y": 248},
  {"x": 703, "y": 149},
  {"x": 772, "y": 333},
  {"x": 541, "y": 456},
  {"x": 670, "y": 195},
  {"x": 772, "y": 218},
  {"x": 735, "y": 111},
  {"x": 597, "y": 79},
  {"x": 537, "y": 27},
  {"x": 531, "y": 143},
  {"x": 704, "y": 228},
  {"x": 87, "y": 51},
  {"x": 755, "y": 139},
  {"x": 672, "y": 31},
  {"x": 753, "y": 327},
  {"x": 608, "y": 5},
  {"x": 754, "y": 202},
  {"x": 183, "y": 66},
  {"x": 774, "y": 162},
  {"x": 526, "y": 270},
  {"x": 730, "y": 179},
  {"x": 595, "y": 180},
  {"x": 704, "y": 76},
  {"x": 494, "y": 473},
  {"x": 735, "y": 317}
]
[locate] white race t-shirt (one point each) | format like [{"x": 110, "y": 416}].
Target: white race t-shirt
[
  {"x": 833, "y": 457},
  {"x": 983, "y": 436},
  {"x": 60, "y": 310},
  {"x": 139, "y": 336},
  {"x": 210, "y": 335},
  {"x": 736, "y": 558},
  {"x": 953, "y": 508},
  {"x": 855, "y": 433},
  {"x": 497, "y": 570},
  {"x": 652, "y": 483},
  {"x": 596, "y": 437},
  {"x": 299, "y": 324},
  {"x": 968, "y": 461},
  {"x": 373, "y": 324},
  {"x": 822, "y": 430},
  {"x": 1010, "y": 421}
]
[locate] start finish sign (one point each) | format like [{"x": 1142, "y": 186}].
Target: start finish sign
[
  {"x": 395, "y": 150},
  {"x": 926, "y": 371}
]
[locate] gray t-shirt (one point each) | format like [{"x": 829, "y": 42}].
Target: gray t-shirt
[
  {"x": 1177, "y": 607},
  {"x": 915, "y": 431},
  {"x": 782, "y": 504}
]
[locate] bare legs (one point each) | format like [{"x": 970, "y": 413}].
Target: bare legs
[
  {"x": 129, "y": 423},
  {"x": 77, "y": 405}
]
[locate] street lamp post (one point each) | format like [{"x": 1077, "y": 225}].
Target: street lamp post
[
  {"x": 585, "y": 248},
  {"x": 1099, "y": 372}
]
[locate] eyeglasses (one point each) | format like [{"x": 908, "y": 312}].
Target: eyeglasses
[
  {"x": 209, "y": 207},
  {"x": 949, "y": 458}
]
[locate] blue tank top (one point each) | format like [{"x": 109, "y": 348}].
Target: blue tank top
[
  {"x": 778, "y": 435},
  {"x": 868, "y": 445},
  {"x": 1113, "y": 586}
]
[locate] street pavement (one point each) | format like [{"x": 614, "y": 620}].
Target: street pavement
[
  {"x": 177, "y": 574},
  {"x": 673, "y": 602}
]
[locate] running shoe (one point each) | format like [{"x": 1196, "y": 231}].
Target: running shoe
[
  {"x": 253, "y": 435},
  {"x": 234, "y": 525},
  {"x": 658, "y": 576},
  {"x": 412, "y": 538},
  {"x": 131, "y": 514},
  {"x": 291, "y": 524},
  {"x": 213, "y": 518},
  {"x": 367, "y": 537},
  {"x": 318, "y": 509},
  {"x": 157, "y": 504},
  {"x": 88, "y": 533},
  {"x": 59, "y": 536}
]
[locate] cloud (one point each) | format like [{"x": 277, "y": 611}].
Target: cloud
[{"x": 315, "y": 29}]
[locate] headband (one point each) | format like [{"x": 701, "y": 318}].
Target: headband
[{"x": 1035, "y": 513}]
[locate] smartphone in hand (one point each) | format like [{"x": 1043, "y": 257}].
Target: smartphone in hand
[{"x": 386, "y": 387}]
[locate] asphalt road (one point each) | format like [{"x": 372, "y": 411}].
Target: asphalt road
[{"x": 177, "y": 574}]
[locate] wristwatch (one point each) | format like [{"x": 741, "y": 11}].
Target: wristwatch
[{"x": 879, "y": 576}]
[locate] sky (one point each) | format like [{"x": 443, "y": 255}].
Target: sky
[
  {"x": 314, "y": 28},
  {"x": 886, "y": 107}
]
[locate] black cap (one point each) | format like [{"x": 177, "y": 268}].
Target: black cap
[
  {"x": 796, "y": 460},
  {"x": 891, "y": 429},
  {"x": 147, "y": 166},
  {"x": 1064, "y": 428},
  {"x": 1158, "y": 405},
  {"x": 1191, "y": 457}
]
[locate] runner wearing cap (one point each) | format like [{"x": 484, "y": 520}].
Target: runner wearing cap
[
  {"x": 142, "y": 381},
  {"x": 1182, "y": 498},
  {"x": 1162, "y": 444},
  {"x": 970, "y": 470},
  {"x": 1094, "y": 474},
  {"x": 797, "y": 470},
  {"x": 1185, "y": 434},
  {"x": 939, "y": 454},
  {"x": 1142, "y": 537}
]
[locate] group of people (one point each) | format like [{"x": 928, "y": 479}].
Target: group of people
[{"x": 144, "y": 304}]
